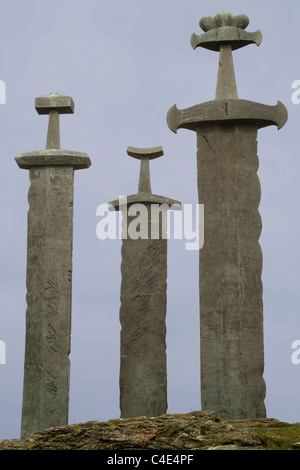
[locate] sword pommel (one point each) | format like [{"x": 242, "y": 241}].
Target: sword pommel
[
  {"x": 142, "y": 153},
  {"x": 225, "y": 29},
  {"x": 54, "y": 104},
  {"x": 145, "y": 154}
]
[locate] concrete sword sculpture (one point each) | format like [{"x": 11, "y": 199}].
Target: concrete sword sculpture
[
  {"x": 231, "y": 307},
  {"x": 143, "y": 374},
  {"x": 49, "y": 272}
]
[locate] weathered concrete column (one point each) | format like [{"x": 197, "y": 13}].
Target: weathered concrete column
[
  {"x": 231, "y": 306},
  {"x": 143, "y": 369},
  {"x": 49, "y": 273}
]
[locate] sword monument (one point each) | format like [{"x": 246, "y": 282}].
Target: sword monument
[
  {"x": 231, "y": 307},
  {"x": 49, "y": 272},
  {"x": 143, "y": 373}
]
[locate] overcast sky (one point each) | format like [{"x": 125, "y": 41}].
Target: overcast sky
[{"x": 125, "y": 63}]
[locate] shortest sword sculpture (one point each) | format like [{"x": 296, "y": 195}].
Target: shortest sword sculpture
[
  {"x": 231, "y": 308},
  {"x": 143, "y": 374},
  {"x": 49, "y": 273}
]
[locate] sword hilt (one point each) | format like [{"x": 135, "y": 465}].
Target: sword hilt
[
  {"x": 225, "y": 33},
  {"x": 145, "y": 154},
  {"x": 54, "y": 104}
]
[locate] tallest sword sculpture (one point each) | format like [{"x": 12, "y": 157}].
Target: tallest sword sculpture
[{"x": 231, "y": 307}]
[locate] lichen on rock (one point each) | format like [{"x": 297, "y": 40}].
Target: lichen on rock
[{"x": 198, "y": 430}]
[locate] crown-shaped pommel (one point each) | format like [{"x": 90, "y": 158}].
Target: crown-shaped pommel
[{"x": 222, "y": 29}]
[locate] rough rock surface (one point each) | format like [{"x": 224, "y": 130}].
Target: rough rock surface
[{"x": 199, "y": 430}]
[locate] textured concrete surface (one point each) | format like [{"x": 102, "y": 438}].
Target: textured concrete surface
[
  {"x": 143, "y": 368},
  {"x": 231, "y": 308},
  {"x": 49, "y": 273},
  {"x": 49, "y": 290}
]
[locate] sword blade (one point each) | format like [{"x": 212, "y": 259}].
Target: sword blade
[
  {"x": 231, "y": 307},
  {"x": 48, "y": 316},
  {"x": 143, "y": 373}
]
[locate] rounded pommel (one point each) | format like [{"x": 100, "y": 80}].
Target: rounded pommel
[
  {"x": 223, "y": 19},
  {"x": 145, "y": 155},
  {"x": 222, "y": 29},
  {"x": 54, "y": 102},
  {"x": 142, "y": 153}
]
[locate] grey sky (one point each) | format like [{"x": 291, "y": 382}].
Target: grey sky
[{"x": 125, "y": 64}]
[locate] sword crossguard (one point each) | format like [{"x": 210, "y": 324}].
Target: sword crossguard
[
  {"x": 54, "y": 104},
  {"x": 145, "y": 155}
]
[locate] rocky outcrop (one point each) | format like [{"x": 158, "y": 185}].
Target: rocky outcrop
[{"x": 199, "y": 430}]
